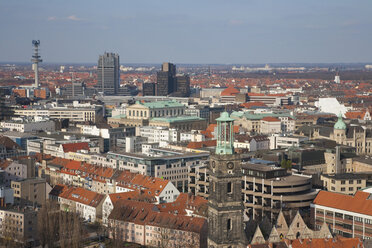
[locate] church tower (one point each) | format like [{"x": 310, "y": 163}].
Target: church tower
[
  {"x": 339, "y": 130},
  {"x": 225, "y": 207}
]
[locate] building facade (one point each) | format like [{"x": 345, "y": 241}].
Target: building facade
[{"x": 108, "y": 71}]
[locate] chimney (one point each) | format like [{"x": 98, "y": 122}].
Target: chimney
[{"x": 2, "y": 202}]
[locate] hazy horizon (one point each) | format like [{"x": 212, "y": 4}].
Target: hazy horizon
[{"x": 188, "y": 32}]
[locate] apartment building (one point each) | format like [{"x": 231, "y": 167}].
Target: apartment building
[
  {"x": 251, "y": 143},
  {"x": 31, "y": 191},
  {"x": 86, "y": 203},
  {"x": 15, "y": 170},
  {"x": 146, "y": 225},
  {"x": 19, "y": 224},
  {"x": 163, "y": 163}
]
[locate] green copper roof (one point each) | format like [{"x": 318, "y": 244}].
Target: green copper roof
[
  {"x": 162, "y": 104},
  {"x": 224, "y": 117},
  {"x": 340, "y": 124},
  {"x": 119, "y": 116},
  {"x": 177, "y": 119},
  {"x": 250, "y": 116},
  {"x": 237, "y": 114}
]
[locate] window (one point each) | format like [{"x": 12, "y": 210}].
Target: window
[
  {"x": 343, "y": 189},
  {"x": 229, "y": 188},
  {"x": 343, "y": 182},
  {"x": 351, "y": 181},
  {"x": 229, "y": 225},
  {"x": 351, "y": 188},
  {"x": 359, "y": 181}
]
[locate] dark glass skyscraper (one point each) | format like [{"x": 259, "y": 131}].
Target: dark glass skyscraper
[
  {"x": 148, "y": 89},
  {"x": 183, "y": 85},
  {"x": 166, "y": 80},
  {"x": 108, "y": 71}
]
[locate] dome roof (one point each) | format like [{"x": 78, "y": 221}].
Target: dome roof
[
  {"x": 224, "y": 117},
  {"x": 340, "y": 124}
]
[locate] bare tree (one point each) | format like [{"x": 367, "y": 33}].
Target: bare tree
[
  {"x": 117, "y": 235},
  {"x": 48, "y": 224},
  {"x": 58, "y": 228}
]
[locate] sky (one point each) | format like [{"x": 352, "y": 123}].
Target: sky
[{"x": 188, "y": 31}]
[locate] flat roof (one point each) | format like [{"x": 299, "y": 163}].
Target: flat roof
[
  {"x": 347, "y": 176},
  {"x": 177, "y": 119},
  {"x": 260, "y": 167},
  {"x": 162, "y": 104}
]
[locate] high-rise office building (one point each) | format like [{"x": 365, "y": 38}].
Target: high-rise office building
[
  {"x": 108, "y": 71},
  {"x": 148, "y": 89},
  {"x": 183, "y": 85},
  {"x": 166, "y": 80}
]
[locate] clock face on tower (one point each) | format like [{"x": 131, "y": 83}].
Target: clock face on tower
[
  {"x": 230, "y": 165},
  {"x": 213, "y": 164}
]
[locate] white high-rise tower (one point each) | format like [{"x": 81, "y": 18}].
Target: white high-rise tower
[{"x": 35, "y": 60}]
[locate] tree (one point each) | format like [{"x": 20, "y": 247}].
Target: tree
[
  {"x": 116, "y": 235},
  {"x": 58, "y": 228},
  {"x": 286, "y": 164},
  {"x": 48, "y": 223}
]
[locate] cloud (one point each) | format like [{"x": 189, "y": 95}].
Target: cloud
[
  {"x": 236, "y": 22},
  {"x": 67, "y": 18},
  {"x": 73, "y": 18},
  {"x": 52, "y": 18}
]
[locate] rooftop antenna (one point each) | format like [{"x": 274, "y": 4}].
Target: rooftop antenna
[{"x": 35, "y": 60}]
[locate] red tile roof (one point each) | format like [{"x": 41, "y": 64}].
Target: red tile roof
[
  {"x": 230, "y": 91},
  {"x": 8, "y": 143},
  {"x": 184, "y": 202},
  {"x": 249, "y": 105},
  {"x": 74, "y": 147},
  {"x": 355, "y": 115},
  {"x": 270, "y": 119},
  {"x": 148, "y": 214},
  {"x": 339, "y": 242},
  {"x": 82, "y": 195},
  {"x": 131, "y": 195},
  {"x": 358, "y": 203}
]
